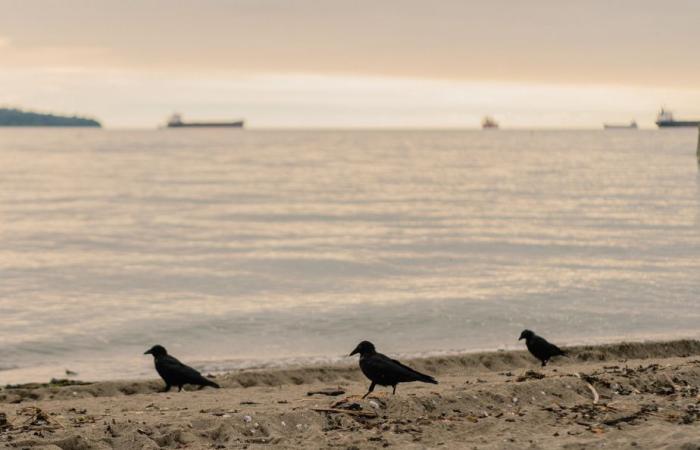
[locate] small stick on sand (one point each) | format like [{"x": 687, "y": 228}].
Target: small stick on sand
[
  {"x": 674, "y": 386},
  {"x": 369, "y": 415},
  {"x": 596, "y": 397}
]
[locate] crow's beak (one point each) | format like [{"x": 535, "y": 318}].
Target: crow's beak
[
  {"x": 355, "y": 352},
  {"x": 521, "y": 338},
  {"x": 148, "y": 352}
]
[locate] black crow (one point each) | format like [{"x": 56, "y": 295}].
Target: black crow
[
  {"x": 384, "y": 371},
  {"x": 173, "y": 372},
  {"x": 539, "y": 347}
]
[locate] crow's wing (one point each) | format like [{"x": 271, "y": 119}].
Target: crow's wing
[
  {"x": 546, "y": 348},
  {"x": 419, "y": 376},
  {"x": 397, "y": 372},
  {"x": 174, "y": 372}
]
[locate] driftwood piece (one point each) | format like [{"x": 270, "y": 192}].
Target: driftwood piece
[
  {"x": 331, "y": 392},
  {"x": 626, "y": 418},
  {"x": 674, "y": 386},
  {"x": 596, "y": 397},
  {"x": 367, "y": 414}
]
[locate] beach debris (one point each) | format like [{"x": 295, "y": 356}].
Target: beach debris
[
  {"x": 66, "y": 382},
  {"x": 673, "y": 385},
  {"x": 374, "y": 404},
  {"x": 73, "y": 442},
  {"x": 620, "y": 390},
  {"x": 596, "y": 397},
  {"x": 219, "y": 412},
  {"x": 263, "y": 440},
  {"x": 3, "y": 421},
  {"x": 80, "y": 420},
  {"x": 345, "y": 404},
  {"x": 331, "y": 392},
  {"x": 530, "y": 375},
  {"x": 70, "y": 373},
  {"x": 630, "y": 417},
  {"x": 247, "y": 419},
  {"x": 37, "y": 419},
  {"x": 54, "y": 382},
  {"x": 691, "y": 414},
  {"x": 366, "y": 414}
]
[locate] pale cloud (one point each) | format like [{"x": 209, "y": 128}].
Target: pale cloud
[
  {"x": 47, "y": 57},
  {"x": 625, "y": 42}
]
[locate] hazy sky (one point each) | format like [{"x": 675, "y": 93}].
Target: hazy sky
[{"x": 353, "y": 63}]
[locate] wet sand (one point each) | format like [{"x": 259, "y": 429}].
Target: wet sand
[{"x": 641, "y": 395}]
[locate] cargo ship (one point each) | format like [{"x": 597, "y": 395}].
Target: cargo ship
[
  {"x": 489, "y": 123},
  {"x": 175, "y": 121},
  {"x": 621, "y": 126},
  {"x": 665, "y": 119}
]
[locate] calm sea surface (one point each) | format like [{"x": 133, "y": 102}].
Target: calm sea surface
[{"x": 253, "y": 248}]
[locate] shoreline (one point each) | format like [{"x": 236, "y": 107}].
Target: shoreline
[
  {"x": 648, "y": 394},
  {"x": 493, "y": 360},
  {"x": 220, "y": 366}
]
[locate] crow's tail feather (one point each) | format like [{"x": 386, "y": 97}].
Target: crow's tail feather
[
  {"x": 428, "y": 379},
  {"x": 208, "y": 382}
]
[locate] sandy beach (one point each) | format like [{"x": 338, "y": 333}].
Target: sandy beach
[
  {"x": 637, "y": 395},
  {"x": 237, "y": 194}
]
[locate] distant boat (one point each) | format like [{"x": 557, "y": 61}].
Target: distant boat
[
  {"x": 175, "y": 121},
  {"x": 665, "y": 119},
  {"x": 489, "y": 122},
  {"x": 621, "y": 126}
]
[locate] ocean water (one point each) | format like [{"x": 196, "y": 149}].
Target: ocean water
[{"x": 264, "y": 248}]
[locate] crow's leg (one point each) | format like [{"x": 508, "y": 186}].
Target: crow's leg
[
  {"x": 544, "y": 362},
  {"x": 371, "y": 388},
  {"x": 394, "y": 393},
  {"x": 179, "y": 388},
  {"x": 167, "y": 388}
]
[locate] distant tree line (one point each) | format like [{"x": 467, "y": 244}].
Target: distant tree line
[{"x": 10, "y": 117}]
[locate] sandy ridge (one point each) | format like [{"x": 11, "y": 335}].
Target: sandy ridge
[{"x": 647, "y": 397}]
